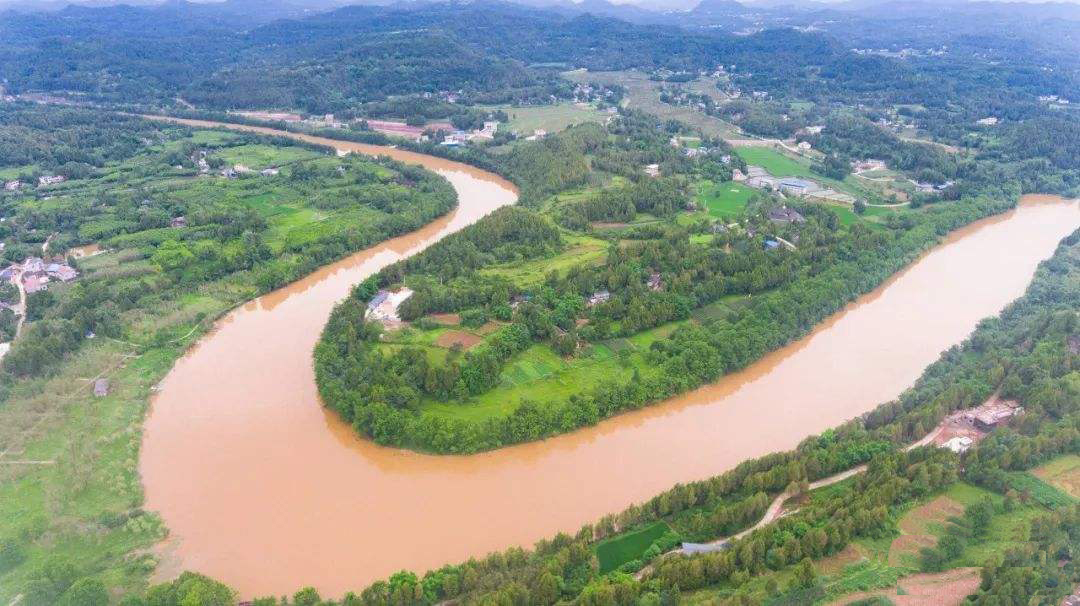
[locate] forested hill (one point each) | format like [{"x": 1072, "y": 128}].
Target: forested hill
[{"x": 152, "y": 54}]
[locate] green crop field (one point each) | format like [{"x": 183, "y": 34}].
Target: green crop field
[
  {"x": 1041, "y": 492},
  {"x": 1063, "y": 473},
  {"x": 624, "y": 548}
]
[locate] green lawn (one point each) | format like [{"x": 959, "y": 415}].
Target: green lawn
[
  {"x": 616, "y": 551},
  {"x": 778, "y": 164},
  {"x": 724, "y": 200},
  {"x": 552, "y": 118}
]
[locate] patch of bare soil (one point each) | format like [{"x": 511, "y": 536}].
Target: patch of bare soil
[
  {"x": 947, "y": 588},
  {"x": 458, "y": 337},
  {"x": 836, "y": 563},
  {"x": 915, "y": 527},
  {"x": 446, "y": 319},
  {"x": 489, "y": 327}
]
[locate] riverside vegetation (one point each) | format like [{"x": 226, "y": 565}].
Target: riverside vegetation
[
  {"x": 1029, "y": 353},
  {"x": 683, "y": 299},
  {"x": 154, "y": 288}
]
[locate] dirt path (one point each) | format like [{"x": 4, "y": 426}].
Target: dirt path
[{"x": 776, "y": 508}]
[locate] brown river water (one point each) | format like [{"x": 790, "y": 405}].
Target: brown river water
[{"x": 265, "y": 490}]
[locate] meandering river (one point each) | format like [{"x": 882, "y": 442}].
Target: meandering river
[{"x": 265, "y": 490}]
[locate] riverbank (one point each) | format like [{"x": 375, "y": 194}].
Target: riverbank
[
  {"x": 68, "y": 459},
  {"x": 864, "y": 355}
]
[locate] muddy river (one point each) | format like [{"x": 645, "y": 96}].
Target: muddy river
[{"x": 265, "y": 490}]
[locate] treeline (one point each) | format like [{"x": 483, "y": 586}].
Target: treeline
[
  {"x": 72, "y": 142},
  {"x": 659, "y": 197}
]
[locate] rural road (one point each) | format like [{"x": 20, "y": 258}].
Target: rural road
[{"x": 776, "y": 508}]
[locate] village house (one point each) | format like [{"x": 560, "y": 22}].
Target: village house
[
  {"x": 598, "y": 297},
  {"x": 8, "y": 274},
  {"x": 269, "y": 172},
  {"x": 959, "y": 444},
  {"x": 785, "y": 215},
  {"x": 383, "y": 307},
  {"x": 12, "y": 185},
  {"x": 804, "y": 146},
  {"x": 992, "y": 414},
  {"x": 35, "y": 283},
  {"x": 653, "y": 170},
  {"x": 101, "y": 388},
  {"x": 50, "y": 180},
  {"x": 537, "y": 134},
  {"x": 61, "y": 271},
  {"x": 860, "y": 166},
  {"x": 33, "y": 265},
  {"x": 178, "y": 222},
  {"x": 797, "y": 187},
  {"x": 655, "y": 282}
]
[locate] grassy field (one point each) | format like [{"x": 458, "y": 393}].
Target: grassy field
[
  {"x": 69, "y": 484},
  {"x": 1062, "y": 473},
  {"x": 778, "y": 164},
  {"x": 258, "y": 156},
  {"x": 724, "y": 200},
  {"x": 552, "y": 118},
  {"x": 539, "y": 374},
  {"x": 81, "y": 501},
  {"x": 580, "y": 249},
  {"x": 616, "y": 551}
]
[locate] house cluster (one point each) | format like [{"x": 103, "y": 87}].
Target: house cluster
[
  {"x": 13, "y": 185},
  {"x": 863, "y": 166},
  {"x": 35, "y": 274},
  {"x": 537, "y": 134},
  {"x": 759, "y": 178},
  {"x": 460, "y": 137},
  {"x": 47, "y": 180},
  {"x": 383, "y": 307},
  {"x": 598, "y": 297},
  {"x": 929, "y": 188},
  {"x": 963, "y": 428}
]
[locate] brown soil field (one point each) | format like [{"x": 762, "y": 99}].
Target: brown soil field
[
  {"x": 939, "y": 589},
  {"x": 448, "y": 319},
  {"x": 458, "y": 337},
  {"x": 915, "y": 527},
  {"x": 489, "y": 328},
  {"x": 838, "y": 561}
]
